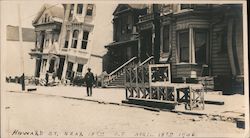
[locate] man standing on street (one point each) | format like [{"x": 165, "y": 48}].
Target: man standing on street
[{"x": 89, "y": 78}]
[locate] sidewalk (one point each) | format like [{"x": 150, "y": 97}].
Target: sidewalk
[
  {"x": 234, "y": 105},
  {"x": 108, "y": 95}
]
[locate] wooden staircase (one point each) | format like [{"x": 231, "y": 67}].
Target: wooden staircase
[
  {"x": 118, "y": 82},
  {"x": 117, "y": 77}
]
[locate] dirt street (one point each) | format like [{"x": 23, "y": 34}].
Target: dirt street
[{"x": 30, "y": 115}]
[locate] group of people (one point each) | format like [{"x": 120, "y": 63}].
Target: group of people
[{"x": 89, "y": 79}]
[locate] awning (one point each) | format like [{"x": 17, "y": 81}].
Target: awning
[{"x": 122, "y": 43}]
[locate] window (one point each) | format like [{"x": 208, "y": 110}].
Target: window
[
  {"x": 193, "y": 45},
  {"x": 85, "y": 39},
  {"x": 201, "y": 43},
  {"x": 184, "y": 46},
  {"x": 90, "y": 8},
  {"x": 79, "y": 68},
  {"x": 75, "y": 38},
  {"x": 124, "y": 24},
  {"x": 67, "y": 39},
  {"x": 79, "y": 8},
  {"x": 129, "y": 24},
  {"x": 166, "y": 30},
  {"x": 45, "y": 17},
  {"x": 47, "y": 42},
  {"x": 71, "y": 11}
]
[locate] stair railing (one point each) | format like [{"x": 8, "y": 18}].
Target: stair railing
[
  {"x": 117, "y": 72},
  {"x": 147, "y": 61}
]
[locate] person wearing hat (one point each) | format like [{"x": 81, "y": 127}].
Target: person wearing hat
[{"x": 89, "y": 79}]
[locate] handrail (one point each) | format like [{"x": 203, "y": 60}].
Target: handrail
[
  {"x": 123, "y": 65},
  {"x": 107, "y": 79},
  {"x": 145, "y": 61}
]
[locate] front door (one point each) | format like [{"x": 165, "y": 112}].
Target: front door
[{"x": 60, "y": 68}]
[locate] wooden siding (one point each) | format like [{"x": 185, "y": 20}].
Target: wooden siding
[
  {"x": 219, "y": 59},
  {"x": 185, "y": 70},
  {"x": 174, "y": 50}
]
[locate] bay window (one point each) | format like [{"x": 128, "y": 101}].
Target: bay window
[
  {"x": 193, "y": 46},
  {"x": 201, "y": 44},
  {"x": 184, "y": 46}
]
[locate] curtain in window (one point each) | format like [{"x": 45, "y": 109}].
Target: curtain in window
[
  {"x": 200, "y": 47},
  {"x": 184, "y": 46}
]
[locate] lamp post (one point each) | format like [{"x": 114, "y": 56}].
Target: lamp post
[{"x": 21, "y": 48}]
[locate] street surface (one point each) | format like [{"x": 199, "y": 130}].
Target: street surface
[{"x": 36, "y": 115}]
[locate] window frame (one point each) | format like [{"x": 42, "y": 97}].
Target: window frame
[
  {"x": 79, "y": 10},
  {"x": 71, "y": 11},
  {"x": 178, "y": 43},
  {"x": 85, "y": 41},
  {"x": 195, "y": 30},
  {"x": 90, "y": 9},
  {"x": 75, "y": 39},
  {"x": 191, "y": 45},
  {"x": 81, "y": 68}
]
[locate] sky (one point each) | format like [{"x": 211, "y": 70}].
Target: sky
[{"x": 28, "y": 10}]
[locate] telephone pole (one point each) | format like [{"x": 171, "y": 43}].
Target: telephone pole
[{"x": 22, "y": 81}]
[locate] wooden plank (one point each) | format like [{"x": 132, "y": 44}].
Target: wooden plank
[
  {"x": 214, "y": 102},
  {"x": 152, "y": 100}
]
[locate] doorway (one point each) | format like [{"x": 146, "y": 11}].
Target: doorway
[{"x": 60, "y": 68}]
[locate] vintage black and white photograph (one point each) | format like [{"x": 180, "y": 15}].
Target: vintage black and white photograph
[{"x": 102, "y": 69}]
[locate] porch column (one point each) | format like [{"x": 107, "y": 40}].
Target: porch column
[
  {"x": 191, "y": 46},
  {"x": 65, "y": 67},
  {"x": 47, "y": 64}
]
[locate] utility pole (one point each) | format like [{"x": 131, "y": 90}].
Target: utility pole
[{"x": 22, "y": 81}]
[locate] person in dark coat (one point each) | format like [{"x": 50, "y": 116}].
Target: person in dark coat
[{"x": 90, "y": 79}]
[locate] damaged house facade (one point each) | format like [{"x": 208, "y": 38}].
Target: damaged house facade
[
  {"x": 76, "y": 36},
  {"x": 65, "y": 40},
  {"x": 195, "y": 39},
  {"x": 47, "y": 28}
]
